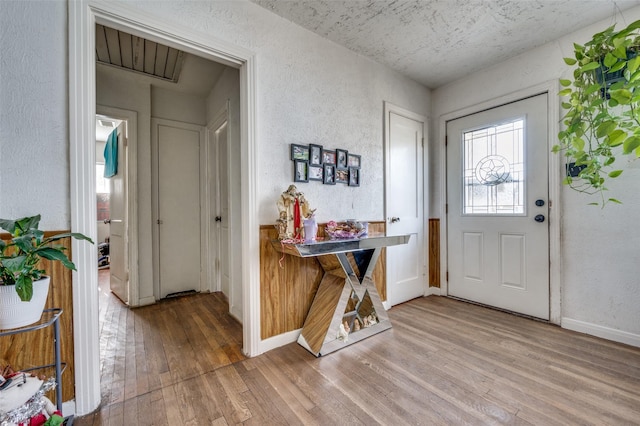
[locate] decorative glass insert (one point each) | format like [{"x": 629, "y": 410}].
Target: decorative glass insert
[{"x": 494, "y": 171}]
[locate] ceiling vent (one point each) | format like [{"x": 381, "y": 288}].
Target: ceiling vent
[
  {"x": 122, "y": 50},
  {"x": 107, "y": 123}
]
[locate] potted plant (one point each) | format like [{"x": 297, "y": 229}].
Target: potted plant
[
  {"x": 602, "y": 106},
  {"x": 21, "y": 279}
]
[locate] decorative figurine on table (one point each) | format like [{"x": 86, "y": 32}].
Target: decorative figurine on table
[{"x": 293, "y": 209}]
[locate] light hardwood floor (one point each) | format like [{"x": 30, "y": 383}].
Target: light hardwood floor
[{"x": 443, "y": 362}]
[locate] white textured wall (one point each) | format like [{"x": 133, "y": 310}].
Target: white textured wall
[
  {"x": 175, "y": 106},
  {"x": 600, "y": 284},
  {"x": 34, "y": 147},
  {"x": 309, "y": 91}
]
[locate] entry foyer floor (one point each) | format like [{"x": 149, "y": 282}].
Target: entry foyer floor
[{"x": 444, "y": 362}]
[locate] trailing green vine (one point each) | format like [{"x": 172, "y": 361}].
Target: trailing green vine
[{"x": 602, "y": 118}]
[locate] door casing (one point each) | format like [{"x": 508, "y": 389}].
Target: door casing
[{"x": 555, "y": 183}]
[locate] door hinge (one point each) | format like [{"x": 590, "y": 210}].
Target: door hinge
[
  {"x": 447, "y": 276},
  {"x": 446, "y": 208},
  {"x": 423, "y": 142},
  {"x": 446, "y": 140}
]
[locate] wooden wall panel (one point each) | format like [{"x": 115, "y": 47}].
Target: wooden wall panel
[
  {"x": 380, "y": 271},
  {"x": 36, "y": 347},
  {"x": 434, "y": 252},
  {"x": 286, "y": 291}
]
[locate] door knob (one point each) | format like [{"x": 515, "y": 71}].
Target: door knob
[
  {"x": 539, "y": 218},
  {"x": 395, "y": 219},
  {"x": 218, "y": 218},
  {"x": 539, "y": 203},
  {"x": 107, "y": 221}
]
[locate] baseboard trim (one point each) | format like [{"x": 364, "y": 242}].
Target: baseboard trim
[
  {"x": 433, "y": 291},
  {"x": 146, "y": 301},
  {"x": 69, "y": 408},
  {"x": 600, "y": 331},
  {"x": 279, "y": 340}
]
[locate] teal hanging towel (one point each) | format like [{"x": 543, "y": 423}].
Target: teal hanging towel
[{"x": 111, "y": 155}]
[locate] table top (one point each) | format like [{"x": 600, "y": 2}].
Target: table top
[{"x": 323, "y": 247}]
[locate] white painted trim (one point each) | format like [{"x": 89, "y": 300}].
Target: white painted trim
[
  {"x": 149, "y": 300},
  {"x": 434, "y": 291},
  {"x": 131, "y": 118},
  {"x": 82, "y": 111},
  {"x": 555, "y": 183},
  {"x": 389, "y": 108},
  {"x": 209, "y": 195},
  {"x": 279, "y": 340},
  {"x": 601, "y": 331},
  {"x": 83, "y": 15},
  {"x": 69, "y": 408},
  {"x": 250, "y": 226}
]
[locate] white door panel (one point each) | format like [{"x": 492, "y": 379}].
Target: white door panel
[
  {"x": 498, "y": 253},
  {"x": 179, "y": 245},
  {"x": 223, "y": 179},
  {"x": 404, "y": 200},
  {"x": 118, "y": 246}
]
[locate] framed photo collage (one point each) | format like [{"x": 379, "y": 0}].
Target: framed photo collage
[{"x": 313, "y": 162}]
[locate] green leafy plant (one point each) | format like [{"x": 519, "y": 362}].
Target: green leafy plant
[
  {"x": 19, "y": 258},
  {"x": 602, "y": 104}
]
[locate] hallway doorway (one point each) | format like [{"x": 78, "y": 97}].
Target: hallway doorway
[{"x": 82, "y": 100}]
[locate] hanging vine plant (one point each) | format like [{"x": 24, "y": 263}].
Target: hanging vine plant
[{"x": 602, "y": 104}]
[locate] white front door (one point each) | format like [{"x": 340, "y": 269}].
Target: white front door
[
  {"x": 118, "y": 246},
  {"x": 404, "y": 208},
  {"x": 497, "y": 195},
  {"x": 178, "y": 206}
]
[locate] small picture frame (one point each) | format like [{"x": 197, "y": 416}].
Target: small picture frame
[
  {"x": 353, "y": 160},
  {"x": 301, "y": 171},
  {"x": 316, "y": 173},
  {"x": 328, "y": 157},
  {"x": 342, "y": 176},
  {"x": 341, "y": 159},
  {"x": 315, "y": 155},
  {"x": 299, "y": 152},
  {"x": 329, "y": 175},
  {"x": 354, "y": 176}
]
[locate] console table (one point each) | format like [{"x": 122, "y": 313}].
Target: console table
[{"x": 346, "y": 307}]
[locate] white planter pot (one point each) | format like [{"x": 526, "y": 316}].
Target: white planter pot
[{"x": 14, "y": 312}]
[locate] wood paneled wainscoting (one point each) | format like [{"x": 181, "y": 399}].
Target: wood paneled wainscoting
[
  {"x": 36, "y": 348},
  {"x": 288, "y": 283}
]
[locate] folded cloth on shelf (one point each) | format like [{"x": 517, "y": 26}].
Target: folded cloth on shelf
[{"x": 15, "y": 396}]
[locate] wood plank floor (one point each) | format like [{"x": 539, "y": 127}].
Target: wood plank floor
[{"x": 443, "y": 362}]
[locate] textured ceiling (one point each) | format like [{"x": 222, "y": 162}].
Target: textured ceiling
[{"x": 438, "y": 41}]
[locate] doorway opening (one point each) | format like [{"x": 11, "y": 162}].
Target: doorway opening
[{"x": 82, "y": 100}]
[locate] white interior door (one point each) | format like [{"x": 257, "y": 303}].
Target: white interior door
[
  {"x": 219, "y": 184},
  {"x": 118, "y": 245},
  {"x": 223, "y": 206},
  {"x": 404, "y": 203},
  {"x": 179, "y": 209},
  {"x": 497, "y": 195}
]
